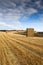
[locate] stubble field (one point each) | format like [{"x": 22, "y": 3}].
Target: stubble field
[{"x": 16, "y": 49}]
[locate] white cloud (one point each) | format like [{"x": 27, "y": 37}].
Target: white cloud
[
  {"x": 12, "y": 16},
  {"x": 31, "y": 11},
  {"x": 15, "y": 25}
]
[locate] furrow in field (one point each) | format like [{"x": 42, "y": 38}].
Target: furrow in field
[
  {"x": 20, "y": 58},
  {"x": 2, "y": 55},
  {"x": 28, "y": 55},
  {"x": 35, "y": 40},
  {"x": 10, "y": 57},
  {"x": 30, "y": 47},
  {"x": 28, "y": 42},
  {"x": 20, "y": 51},
  {"x": 3, "y": 58}
]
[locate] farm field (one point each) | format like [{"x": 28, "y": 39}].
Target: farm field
[{"x": 17, "y": 49}]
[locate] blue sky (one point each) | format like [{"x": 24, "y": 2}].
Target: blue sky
[{"x": 21, "y": 14}]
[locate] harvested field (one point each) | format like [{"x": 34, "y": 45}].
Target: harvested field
[{"x": 17, "y": 49}]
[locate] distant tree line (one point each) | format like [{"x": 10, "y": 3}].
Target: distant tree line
[{"x": 39, "y": 34}]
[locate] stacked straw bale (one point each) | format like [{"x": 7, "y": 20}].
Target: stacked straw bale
[{"x": 30, "y": 32}]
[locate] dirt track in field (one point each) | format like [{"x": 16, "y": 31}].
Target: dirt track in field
[{"x": 16, "y": 49}]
